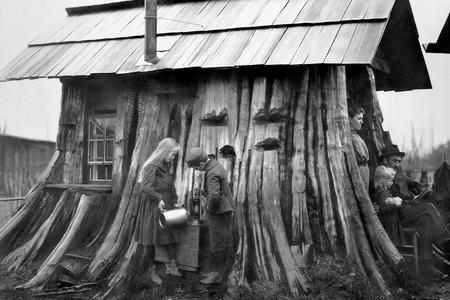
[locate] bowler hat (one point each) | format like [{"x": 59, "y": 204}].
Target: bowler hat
[{"x": 390, "y": 150}]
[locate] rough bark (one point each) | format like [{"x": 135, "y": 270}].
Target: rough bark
[
  {"x": 75, "y": 233},
  {"x": 294, "y": 178}
]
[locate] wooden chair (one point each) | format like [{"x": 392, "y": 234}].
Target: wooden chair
[{"x": 411, "y": 248}]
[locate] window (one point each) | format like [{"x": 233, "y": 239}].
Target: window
[{"x": 101, "y": 147}]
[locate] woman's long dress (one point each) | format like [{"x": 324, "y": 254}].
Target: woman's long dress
[
  {"x": 362, "y": 157},
  {"x": 157, "y": 184}
]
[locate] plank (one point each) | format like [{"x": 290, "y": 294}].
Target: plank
[
  {"x": 341, "y": 43},
  {"x": 132, "y": 59},
  {"x": 166, "y": 42},
  {"x": 29, "y": 65},
  {"x": 288, "y": 45},
  {"x": 13, "y": 66},
  {"x": 249, "y": 13},
  {"x": 213, "y": 42},
  {"x": 270, "y": 12},
  {"x": 231, "y": 49},
  {"x": 227, "y": 16},
  {"x": 81, "y": 59},
  {"x": 273, "y": 37},
  {"x": 333, "y": 11},
  {"x": 71, "y": 24},
  {"x": 322, "y": 44},
  {"x": 175, "y": 53},
  {"x": 364, "y": 43},
  {"x": 311, "y": 11},
  {"x": 190, "y": 50},
  {"x": 357, "y": 10},
  {"x": 209, "y": 13},
  {"x": 136, "y": 26},
  {"x": 81, "y": 31},
  {"x": 379, "y": 9},
  {"x": 305, "y": 47},
  {"x": 260, "y": 46},
  {"x": 68, "y": 56},
  {"x": 116, "y": 56},
  {"x": 290, "y": 12},
  {"x": 190, "y": 12},
  {"x": 98, "y": 31},
  {"x": 172, "y": 11},
  {"x": 121, "y": 22},
  {"x": 37, "y": 70}
]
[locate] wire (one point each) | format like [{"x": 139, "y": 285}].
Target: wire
[{"x": 179, "y": 21}]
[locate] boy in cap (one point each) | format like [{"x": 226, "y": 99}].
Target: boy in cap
[{"x": 219, "y": 209}]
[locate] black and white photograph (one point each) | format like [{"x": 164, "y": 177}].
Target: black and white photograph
[{"x": 224, "y": 149}]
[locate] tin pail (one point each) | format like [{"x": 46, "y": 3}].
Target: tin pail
[{"x": 173, "y": 217}]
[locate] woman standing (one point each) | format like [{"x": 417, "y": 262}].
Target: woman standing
[
  {"x": 356, "y": 115},
  {"x": 157, "y": 194}
]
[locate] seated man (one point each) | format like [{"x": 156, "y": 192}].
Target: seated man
[{"x": 424, "y": 217}]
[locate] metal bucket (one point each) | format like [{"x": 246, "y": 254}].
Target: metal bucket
[{"x": 173, "y": 217}]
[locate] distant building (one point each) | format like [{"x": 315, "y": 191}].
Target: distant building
[{"x": 21, "y": 162}]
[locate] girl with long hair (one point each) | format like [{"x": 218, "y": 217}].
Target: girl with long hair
[{"x": 157, "y": 193}]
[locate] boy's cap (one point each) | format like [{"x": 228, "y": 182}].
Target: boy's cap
[{"x": 195, "y": 156}]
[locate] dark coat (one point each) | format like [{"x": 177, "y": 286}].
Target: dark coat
[
  {"x": 389, "y": 216},
  {"x": 217, "y": 188},
  {"x": 157, "y": 184},
  {"x": 404, "y": 187}
]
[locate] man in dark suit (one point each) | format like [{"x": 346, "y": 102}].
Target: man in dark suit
[
  {"x": 219, "y": 210},
  {"x": 424, "y": 217}
]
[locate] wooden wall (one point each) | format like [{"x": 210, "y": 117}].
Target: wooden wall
[{"x": 21, "y": 162}]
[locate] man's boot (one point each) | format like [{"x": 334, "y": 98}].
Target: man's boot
[
  {"x": 212, "y": 278},
  {"x": 215, "y": 277}
]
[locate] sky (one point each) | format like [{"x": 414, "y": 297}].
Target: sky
[{"x": 30, "y": 108}]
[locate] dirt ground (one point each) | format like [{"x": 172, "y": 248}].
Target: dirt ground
[
  {"x": 341, "y": 286},
  {"x": 187, "y": 287}
]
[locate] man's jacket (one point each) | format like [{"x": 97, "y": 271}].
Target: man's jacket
[
  {"x": 404, "y": 187},
  {"x": 217, "y": 188}
]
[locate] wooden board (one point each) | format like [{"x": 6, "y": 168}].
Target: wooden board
[
  {"x": 341, "y": 43},
  {"x": 364, "y": 42},
  {"x": 322, "y": 44},
  {"x": 288, "y": 45},
  {"x": 290, "y": 12},
  {"x": 270, "y": 12},
  {"x": 311, "y": 11},
  {"x": 305, "y": 47},
  {"x": 230, "y": 50},
  {"x": 188, "y": 248},
  {"x": 333, "y": 11},
  {"x": 357, "y": 9}
]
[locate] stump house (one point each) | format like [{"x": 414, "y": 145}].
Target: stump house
[{"x": 262, "y": 85}]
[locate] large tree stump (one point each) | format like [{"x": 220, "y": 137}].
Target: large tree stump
[{"x": 294, "y": 177}]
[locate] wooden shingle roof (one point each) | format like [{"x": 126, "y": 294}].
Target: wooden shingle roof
[{"x": 208, "y": 34}]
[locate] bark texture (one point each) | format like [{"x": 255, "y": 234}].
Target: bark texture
[{"x": 283, "y": 138}]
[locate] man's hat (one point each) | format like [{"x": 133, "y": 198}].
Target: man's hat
[
  {"x": 391, "y": 150},
  {"x": 195, "y": 156}
]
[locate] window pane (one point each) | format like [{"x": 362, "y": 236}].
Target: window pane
[
  {"x": 96, "y": 128},
  {"x": 101, "y": 172},
  {"x": 109, "y": 172},
  {"x": 110, "y": 127},
  {"x": 96, "y": 151},
  {"x": 109, "y": 150}
]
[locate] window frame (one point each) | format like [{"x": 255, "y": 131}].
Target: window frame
[{"x": 105, "y": 140}]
